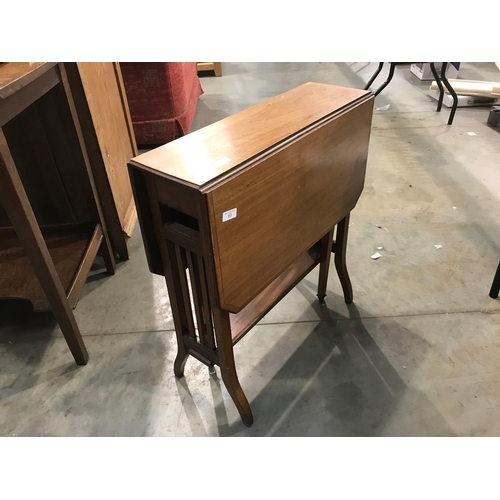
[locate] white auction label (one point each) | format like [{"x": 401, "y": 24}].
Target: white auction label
[{"x": 230, "y": 214}]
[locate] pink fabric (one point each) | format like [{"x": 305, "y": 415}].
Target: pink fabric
[{"x": 162, "y": 99}]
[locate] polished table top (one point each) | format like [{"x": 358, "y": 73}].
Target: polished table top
[{"x": 202, "y": 156}]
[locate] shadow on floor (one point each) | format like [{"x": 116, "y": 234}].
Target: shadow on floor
[
  {"x": 19, "y": 322},
  {"x": 336, "y": 382},
  {"x": 114, "y": 395},
  {"x": 42, "y": 390}
]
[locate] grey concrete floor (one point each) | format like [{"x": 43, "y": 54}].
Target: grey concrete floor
[{"x": 418, "y": 354}]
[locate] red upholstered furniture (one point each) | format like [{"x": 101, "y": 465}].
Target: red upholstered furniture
[{"x": 162, "y": 99}]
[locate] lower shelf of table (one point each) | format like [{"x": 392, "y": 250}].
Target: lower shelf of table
[
  {"x": 253, "y": 312},
  {"x": 73, "y": 248}
]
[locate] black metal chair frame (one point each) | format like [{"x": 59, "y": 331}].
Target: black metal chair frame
[
  {"x": 495, "y": 286},
  {"x": 439, "y": 81}
]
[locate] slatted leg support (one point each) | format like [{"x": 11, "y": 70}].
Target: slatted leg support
[
  {"x": 198, "y": 341},
  {"x": 175, "y": 277}
]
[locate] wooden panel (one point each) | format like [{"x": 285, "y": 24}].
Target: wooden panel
[
  {"x": 285, "y": 203},
  {"x": 95, "y": 159},
  {"x": 37, "y": 169},
  {"x": 210, "y": 152},
  {"x": 28, "y": 94},
  {"x": 175, "y": 195},
  {"x": 52, "y": 108},
  {"x": 216, "y": 67},
  {"x": 96, "y": 208},
  {"x": 67, "y": 244},
  {"x": 145, "y": 196},
  {"x": 47, "y": 167},
  {"x": 16, "y": 75},
  {"x": 250, "y": 315},
  {"x": 110, "y": 115},
  {"x": 4, "y": 219}
]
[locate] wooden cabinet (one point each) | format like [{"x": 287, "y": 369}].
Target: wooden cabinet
[
  {"x": 240, "y": 211},
  {"x": 65, "y": 194},
  {"x": 51, "y": 222}
]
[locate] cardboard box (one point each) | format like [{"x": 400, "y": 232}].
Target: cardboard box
[{"x": 423, "y": 70}]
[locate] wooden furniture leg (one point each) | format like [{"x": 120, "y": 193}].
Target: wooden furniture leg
[
  {"x": 227, "y": 367},
  {"x": 218, "y": 68},
  {"x": 18, "y": 208},
  {"x": 179, "y": 307},
  {"x": 339, "y": 247},
  {"x": 145, "y": 192},
  {"x": 324, "y": 264},
  {"x": 495, "y": 286}
]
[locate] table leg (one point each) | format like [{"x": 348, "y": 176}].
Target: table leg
[
  {"x": 439, "y": 84},
  {"x": 18, "y": 208},
  {"x": 227, "y": 366},
  {"x": 451, "y": 91},
  {"x": 145, "y": 191},
  {"x": 218, "y": 68},
  {"x": 340, "y": 248},
  {"x": 324, "y": 264},
  {"x": 178, "y": 305},
  {"x": 392, "y": 67}
]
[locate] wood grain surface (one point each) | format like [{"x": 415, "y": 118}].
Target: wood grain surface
[
  {"x": 110, "y": 116},
  {"x": 16, "y": 75},
  {"x": 254, "y": 311},
  {"x": 204, "y": 155},
  {"x": 23, "y": 93},
  {"x": 67, "y": 245},
  {"x": 286, "y": 203}
]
